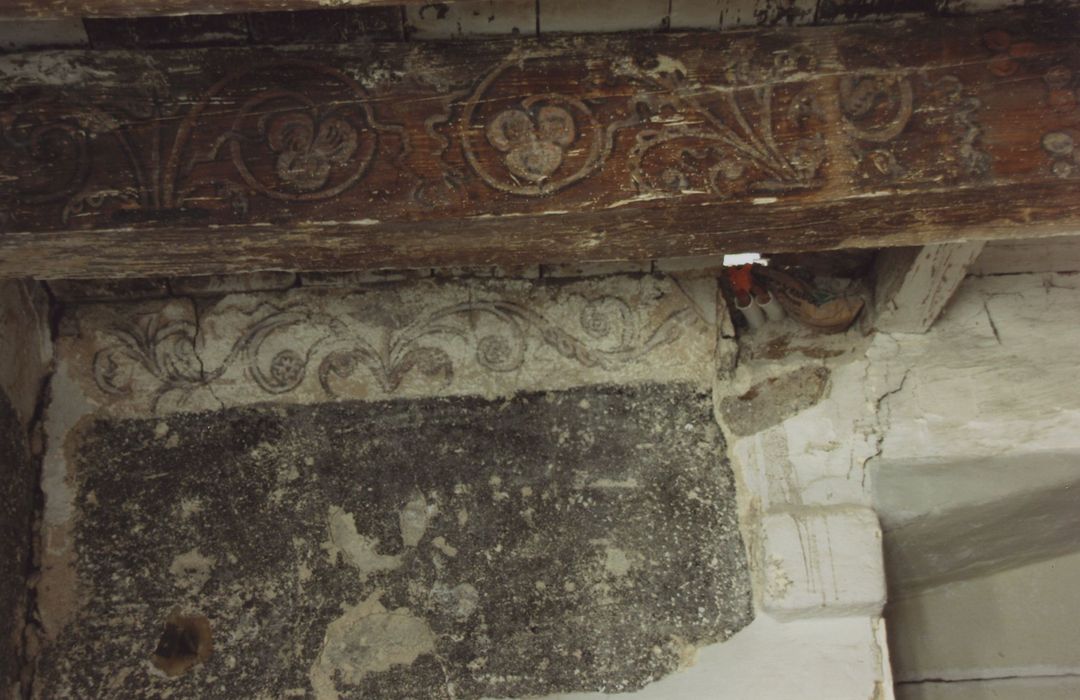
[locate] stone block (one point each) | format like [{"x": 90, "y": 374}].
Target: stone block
[
  {"x": 822, "y": 562},
  {"x": 549, "y": 543}
]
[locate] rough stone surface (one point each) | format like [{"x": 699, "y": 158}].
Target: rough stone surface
[
  {"x": 17, "y": 491},
  {"x": 769, "y": 402},
  {"x": 454, "y": 547}
]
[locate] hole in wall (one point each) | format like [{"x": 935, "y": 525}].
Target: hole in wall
[{"x": 185, "y": 642}]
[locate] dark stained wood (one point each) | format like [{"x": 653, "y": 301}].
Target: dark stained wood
[
  {"x": 147, "y": 32},
  {"x": 651, "y": 232},
  {"x": 54, "y": 9},
  {"x": 567, "y": 150},
  {"x": 327, "y": 26},
  {"x": 305, "y": 27}
]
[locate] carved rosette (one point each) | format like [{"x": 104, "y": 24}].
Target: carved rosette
[
  {"x": 535, "y": 145},
  {"x": 310, "y": 141}
]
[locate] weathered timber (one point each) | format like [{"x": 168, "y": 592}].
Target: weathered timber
[
  {"x": 42, "y": 9},
  {"x": 521, "y": 151},
  {"x": 915, "y": 284}
]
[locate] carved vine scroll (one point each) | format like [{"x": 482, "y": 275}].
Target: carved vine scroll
[{"x": 377, "y": 137}]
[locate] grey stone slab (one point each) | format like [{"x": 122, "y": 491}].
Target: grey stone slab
[{"x": 463, "y": 547}]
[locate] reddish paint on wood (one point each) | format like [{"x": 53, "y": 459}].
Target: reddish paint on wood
[{"x": 586, "y": 148}]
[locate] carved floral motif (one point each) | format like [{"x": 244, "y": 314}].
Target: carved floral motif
[
  {"x": 753, "y": 133},
  {"x": 739, "y": 117},
  {"x": 530, "y": 138},
  {"x": 534, "y": 144},
  {"x": 316, "y": 152},
  {"x": 308, "y": 150}
]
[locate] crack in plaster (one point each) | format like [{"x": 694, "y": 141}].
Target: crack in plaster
[{"x": 880, "y": 425}]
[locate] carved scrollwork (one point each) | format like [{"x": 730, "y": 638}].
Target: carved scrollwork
[
  {"x": 751, "y": 133},
  {"x": 41, "y": 161},
  {"x": 877, "y": 106},
  {"x": 45, "y": 158},
  {"x": 163, "y": 349},
  {"x": 496, "y": 328},
  {"x": 160, "y": 354}
]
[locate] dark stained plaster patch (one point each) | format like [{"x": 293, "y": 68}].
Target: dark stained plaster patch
[
  {"x": 769, "y": 402},
  {"x": 457, "y": 547}
]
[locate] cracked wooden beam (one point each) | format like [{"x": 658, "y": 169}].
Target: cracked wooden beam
[{"x": 585, "y": 148}]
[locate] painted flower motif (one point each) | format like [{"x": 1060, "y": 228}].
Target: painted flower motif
[
  {"x": 534, "y": 146},
  {"x": 287, "y": 368},
  {"x": 308, "y": 150}
]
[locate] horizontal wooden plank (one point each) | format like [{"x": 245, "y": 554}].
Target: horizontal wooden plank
[
  {"x": 523, "y": 151},
  {"x": 54, "y": 9},
  {"x": 627, "y": 233}
]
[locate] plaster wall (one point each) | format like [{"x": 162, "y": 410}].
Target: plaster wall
[
  {"x": 980, "y": 456},
  {"x": 966, "y": 443},
  {"x": 1010, "y": 634},
  {"x": 976, "y": 484}
]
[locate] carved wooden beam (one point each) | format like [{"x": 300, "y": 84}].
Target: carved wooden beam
[{"x": 506, "y": 152}]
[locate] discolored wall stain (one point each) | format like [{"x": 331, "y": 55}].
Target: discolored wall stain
[
  {"x": 769, "y": 402},
  {"x": 550, "y": 542}
]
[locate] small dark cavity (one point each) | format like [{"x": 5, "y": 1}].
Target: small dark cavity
[{"x": 186, "y": 641}]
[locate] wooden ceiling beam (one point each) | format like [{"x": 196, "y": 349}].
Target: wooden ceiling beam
[
  {"x": 559, "y": 150},
  {"x": 57, "y": 9}
]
